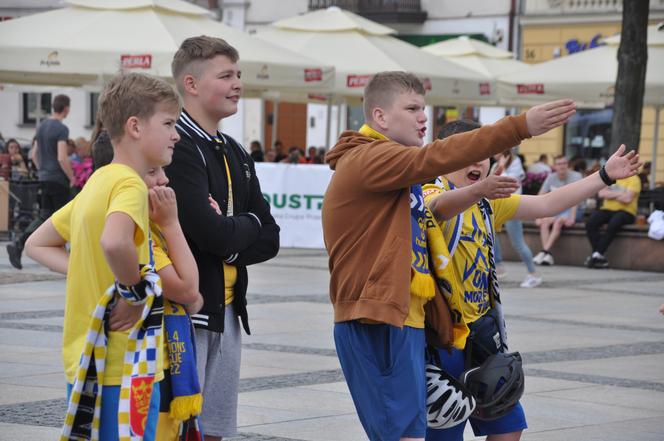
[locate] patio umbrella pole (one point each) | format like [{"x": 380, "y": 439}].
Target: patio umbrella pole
[
  {"x": 275, "y": 120},
  {"x": 653, "y": 164},
  {"x": 328, "y": 121}
]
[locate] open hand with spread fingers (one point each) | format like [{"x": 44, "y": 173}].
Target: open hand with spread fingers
[
  {"x": 621, "y": 165},
  {"x": 497, "y": 187},
  {"x": 544, "y": 117}
]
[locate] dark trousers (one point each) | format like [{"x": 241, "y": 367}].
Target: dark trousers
[
  {"x": 614, "y": 221},
  {"x": 53, "y": 197}
]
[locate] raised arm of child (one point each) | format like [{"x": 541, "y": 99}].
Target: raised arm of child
[
  {"x": 450, "y": 203},
  {"x": 179, "y": 280},
  {"x": 47, "y": 247},
  {"x": 619, "y": 166}
]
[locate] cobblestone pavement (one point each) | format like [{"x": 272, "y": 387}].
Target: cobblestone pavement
[{"x": 592, "y": 343}]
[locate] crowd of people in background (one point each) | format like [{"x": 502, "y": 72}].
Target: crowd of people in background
[{"x": 292, "y": 155}]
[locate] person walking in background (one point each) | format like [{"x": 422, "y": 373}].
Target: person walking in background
[
  {"x": 55, "y": 172},
  {"x": 511, "y": 165},
  {"x": 550, "y": 227}
]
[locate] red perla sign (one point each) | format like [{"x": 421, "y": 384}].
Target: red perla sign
[
  {"x": 485, "y": 89},
  {"x": 313, "y": 75},
  {"x": 353, "y": 81},
  {"x": 530, "y": 89},
  {"x": 136, "y": 61}
]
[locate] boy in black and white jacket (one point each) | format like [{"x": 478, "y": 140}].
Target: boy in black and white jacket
[{"x": 208, "y": 164}]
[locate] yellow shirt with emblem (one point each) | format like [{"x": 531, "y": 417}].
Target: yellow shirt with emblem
[
  {"x": 470, "y": 258},
  {"x": 114, "y": 188},
  {"x": 632, "y": 183}
]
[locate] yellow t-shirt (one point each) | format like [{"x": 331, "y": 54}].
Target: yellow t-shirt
[
  {"x": 632, "y": 183},
  {"x": 230, "y": 271},
  {"x": 111, "y": 189},
  {"x": 470, "y": 258}
]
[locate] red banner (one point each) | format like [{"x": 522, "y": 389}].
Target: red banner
[
  {"x": 354, "y": 81},
  {"x": 136, "y": 61},
  {"x": 313, "y": 75},
  {"x": 530, "y": 89}
]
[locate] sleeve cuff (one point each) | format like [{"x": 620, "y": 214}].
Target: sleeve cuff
[{"x": 260, "y": 224}]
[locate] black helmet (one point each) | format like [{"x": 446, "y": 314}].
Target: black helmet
[
  {"x": 448, "y": 401},
  {"x": 497, "y": 385}
]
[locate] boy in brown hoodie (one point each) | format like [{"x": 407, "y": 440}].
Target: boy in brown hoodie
[{"x": 373, "y": 226}]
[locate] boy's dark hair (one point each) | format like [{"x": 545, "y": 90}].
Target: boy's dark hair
[
  {"x": 195, "y": 50},
  {"x": 102, "y": 150},
  {"x": 133, "y": 94},
  {"x": 458, "y": 126},
  {"x": 60, "y": 102},
  {"x": 384, "y": 86}
]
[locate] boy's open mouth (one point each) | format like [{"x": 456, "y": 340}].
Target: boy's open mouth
[{"x": 474, "y": 175}]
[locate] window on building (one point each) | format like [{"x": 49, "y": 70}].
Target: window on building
[
  {"x": 93, "y": 105},
  {"x": 35, "y": 107},
  {"x": 588, "y": 134}
]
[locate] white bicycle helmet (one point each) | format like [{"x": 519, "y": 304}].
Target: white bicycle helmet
[{"x": 448, "y": 401}]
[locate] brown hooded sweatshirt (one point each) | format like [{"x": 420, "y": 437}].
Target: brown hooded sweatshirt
[{"x": 366, "y": 218}]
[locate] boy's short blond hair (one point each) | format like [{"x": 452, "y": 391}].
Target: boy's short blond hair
[
  {"x": 133, "y": 94},
  {"x": 385, "y": 86},
  {"x": 194, "y": 51}
]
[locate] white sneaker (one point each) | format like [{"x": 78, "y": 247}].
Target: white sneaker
[
  {"x": 531, "y": 281},
  {"x": 539, "y": 258},
  {"x": 547, "y": 260}
]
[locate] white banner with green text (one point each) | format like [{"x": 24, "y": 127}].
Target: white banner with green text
[{"x": 295, "y": 194}]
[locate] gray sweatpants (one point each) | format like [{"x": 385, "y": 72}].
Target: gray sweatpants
[{"x": 218, "y": 362}]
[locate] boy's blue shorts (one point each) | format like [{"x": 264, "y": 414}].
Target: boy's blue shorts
[
  {"x": 384, "y": 370},
  {"x": 110, "y": 399},
  {"x": 514, "y": 421}
]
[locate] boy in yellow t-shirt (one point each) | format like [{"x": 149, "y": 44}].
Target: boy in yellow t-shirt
[
  {"x": 468, "y": 232},
  {"x": 618, "y": 209},
  {"x": 107, "y": 226}
]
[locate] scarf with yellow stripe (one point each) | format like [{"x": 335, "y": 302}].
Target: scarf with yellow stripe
[
  {"x": 83, "y": 417},
  {"x": 422, "y": 283}
]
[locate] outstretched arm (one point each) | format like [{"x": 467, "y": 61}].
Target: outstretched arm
[
  {"x": 450, "y": 203},
  {"x": 619, "y": 166}
]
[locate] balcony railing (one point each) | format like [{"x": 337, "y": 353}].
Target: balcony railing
[{"x": 385, "y": 11}]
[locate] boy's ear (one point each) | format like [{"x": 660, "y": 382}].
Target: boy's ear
[
  {"x": 378, "y": 115},
  {"x": 132, "y": 127},
  {"x": 189, "y": 84}
]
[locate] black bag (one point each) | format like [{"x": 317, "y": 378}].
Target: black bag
[{"x": 484, "y": 339}]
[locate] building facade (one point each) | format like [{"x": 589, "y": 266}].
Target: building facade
[{"x": 557, "y": 28}]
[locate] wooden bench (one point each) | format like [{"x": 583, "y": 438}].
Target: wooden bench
[{"x": 632, "y": 249}]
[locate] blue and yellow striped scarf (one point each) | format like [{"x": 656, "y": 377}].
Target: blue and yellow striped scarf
[{"x": 422, "y": 283}]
